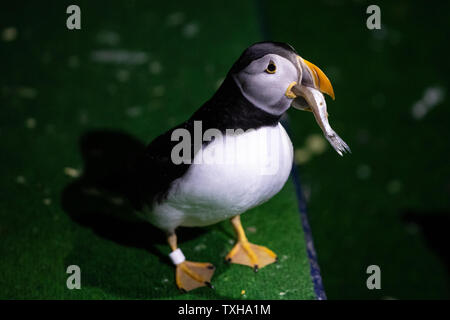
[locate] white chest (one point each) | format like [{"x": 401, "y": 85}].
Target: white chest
[{"x": 230, "y": 176}]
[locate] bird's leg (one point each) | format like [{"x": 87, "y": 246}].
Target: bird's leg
[
  {"x": 247, "y": 253},
  {"x": 189, "y": 275}
]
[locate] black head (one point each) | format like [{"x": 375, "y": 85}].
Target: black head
[{"x": 260, "y": 49}]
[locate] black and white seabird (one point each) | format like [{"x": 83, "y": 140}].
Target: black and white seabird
[{"x": 249, "y": 154}]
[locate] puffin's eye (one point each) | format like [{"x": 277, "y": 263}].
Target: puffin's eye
[{"x": 271, "y": 68}]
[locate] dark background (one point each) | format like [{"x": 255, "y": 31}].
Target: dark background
[{"x": 385, "y": 204}]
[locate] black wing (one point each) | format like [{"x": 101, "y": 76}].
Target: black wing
[{"x": 154, "y": 170}]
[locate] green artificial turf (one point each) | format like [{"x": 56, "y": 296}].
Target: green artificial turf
[
  {"x": 386, "y": 203},
  {"x": 55, "y": 95}
]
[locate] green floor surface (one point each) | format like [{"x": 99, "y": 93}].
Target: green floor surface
[{"x": 386, "y": 203}]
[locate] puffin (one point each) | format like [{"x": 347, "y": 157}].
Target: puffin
[{"x": 242, "y": 159}]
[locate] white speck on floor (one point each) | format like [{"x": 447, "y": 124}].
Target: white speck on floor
[
  {"x": 30, "y": 123},
  {"x": 230, "y": 241},
  {"x": 117, "y": 201},
  {"x": 302, "y": 155},
  {"x": 119, "y": 56},
  {"x": 92, "y": 192},
  {"x": 73, "y": 62},
  {"x": 316, "y": 143},
  {"x": 72, "y": 172},
  {"x": 431, "y": 97},
  {"x": 158, "y": 91},
  {"x": 21, "y": 180},
  {"x": 282, "y": 293},
  {"x": 84, "y": 118},
  {"x": 307, "y": 191},
  {"x": 200, "y": 247},
  {"x": 165, "y": 280},
  {"x": 284, "y": 257},
  {"x": 123, "y": 75},
  {"x": 133, "y": 112},
  {"x": 110, "y": 38},
  {"x": 26, "y": 92},
  {"x": 251, "y": 229},
  {"x": 9, "y": 34},
  {"x": 394, "y": 186},
  {"x": 190, "y": 30},
  {"x": 175, "y": 19},
  {"x": 47, "y": 201},
  {"x": 363, "y": 171},
  {"x": 155, "y": 67},
  {"x": 419, "y": 110}
]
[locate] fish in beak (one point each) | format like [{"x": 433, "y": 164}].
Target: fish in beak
[{"x": 307, "y": 95}]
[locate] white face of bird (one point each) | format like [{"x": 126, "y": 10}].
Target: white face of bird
[
  {"x": 265, "y": 80},
  {"x": 274, "y": 83}
]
